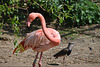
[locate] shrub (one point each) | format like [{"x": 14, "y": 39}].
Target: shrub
[
  {"x": 68, "y": 12},
  {"x": 9, "y": 15}
]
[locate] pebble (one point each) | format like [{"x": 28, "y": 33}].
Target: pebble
[
  {"x": 2, "y": 61},
  {"x": 71, "y": 62},
  {"x": 75, "y": 54},
  {"x": 9, "y": 56},
  {"x": 5, "y": 61}
]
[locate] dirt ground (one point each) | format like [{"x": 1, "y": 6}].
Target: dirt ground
[{"x": 85, "y": 51}]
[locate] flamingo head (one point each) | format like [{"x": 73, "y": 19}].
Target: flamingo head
[{"x": 31, "y": 17}]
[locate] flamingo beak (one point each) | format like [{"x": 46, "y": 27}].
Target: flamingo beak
[{"x": 28, "y": 23}]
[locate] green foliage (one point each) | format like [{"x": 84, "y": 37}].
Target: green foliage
[
  {"x": 15, "y": 43},
  {"x": 10, "y": 15},
  {"x": 0, "y": 32},
  {"x": 57, "y": 9},
  {"x": 86, "y": 12},
  {"x": 70, "y": 12}
]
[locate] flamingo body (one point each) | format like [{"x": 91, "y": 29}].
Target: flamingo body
[{"x": 38, "y": 41}]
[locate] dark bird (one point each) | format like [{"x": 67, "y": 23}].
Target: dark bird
[{"x": 65, "y": 51}]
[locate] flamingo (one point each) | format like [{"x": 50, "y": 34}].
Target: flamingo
[{"x": 39, "y": 40}]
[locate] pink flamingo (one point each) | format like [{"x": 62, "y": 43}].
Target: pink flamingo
[{"x": 39, "y": 40}]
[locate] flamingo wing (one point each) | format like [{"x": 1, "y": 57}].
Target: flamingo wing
[
  {"x": 36, "y": 39},
  {"x": 33, "y": 40}
]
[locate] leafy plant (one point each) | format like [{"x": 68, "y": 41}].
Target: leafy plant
[
  {"x": 86, "y": 12},
  {"x": 57, "y": 9},
  {"x": 10, "y": 15},
  {"x": 69, "y": 12}
]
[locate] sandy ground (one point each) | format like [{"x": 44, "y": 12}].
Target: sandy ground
[
  {"x": 70, "y": 65},
  {"x": 86, "y": 51}
]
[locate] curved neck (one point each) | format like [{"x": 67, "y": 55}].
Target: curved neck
[
  {"x": 43, "y": 23},
  {"x": 46, "y": 32}
]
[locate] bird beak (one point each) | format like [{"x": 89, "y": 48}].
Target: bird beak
[{"x": 28, "y": 23}]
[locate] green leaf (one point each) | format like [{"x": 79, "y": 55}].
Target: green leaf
[
  {"x": 61, "y": 19},
  {"x": 90, "y": 21},
  {"x": 15, "y": 43},
  {"x": 77, "y": 20},
  {"x": 0, "y": 32},
  {"x": 22, "y": 48},
  {"x": 59, "y": 7}
]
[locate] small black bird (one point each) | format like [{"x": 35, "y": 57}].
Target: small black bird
[{"x": 65, "y": 51}]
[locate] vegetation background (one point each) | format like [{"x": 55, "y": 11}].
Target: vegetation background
[{"x": 66, "y": 13}]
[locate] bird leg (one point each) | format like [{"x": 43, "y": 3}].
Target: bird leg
[
  {"x": 40, "y": 59},
  {"x": 63, "y": 60},
  {"x": 34, "y": 63}
]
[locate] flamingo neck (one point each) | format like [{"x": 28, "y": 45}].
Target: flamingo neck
[
  {"x": 42, "y": 19},
  {"x": 45, "y": 30}
]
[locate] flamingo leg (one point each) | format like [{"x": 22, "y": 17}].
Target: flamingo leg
[
  {"x": 40, "y": 60},
  {"x": 34, "y": 63}
]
